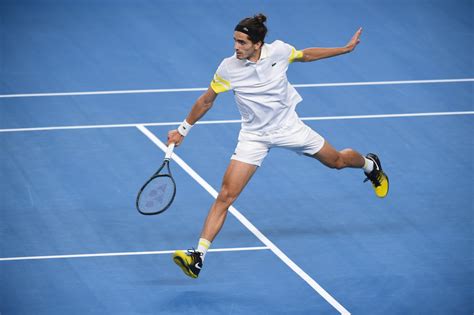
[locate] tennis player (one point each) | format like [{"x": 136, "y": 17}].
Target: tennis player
[{"x": 256, "y": 73}]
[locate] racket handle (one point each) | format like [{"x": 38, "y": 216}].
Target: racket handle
[{"x": 169, "y": 151}]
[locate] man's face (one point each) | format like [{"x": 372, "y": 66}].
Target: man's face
[{"x": 244, "y": 48}]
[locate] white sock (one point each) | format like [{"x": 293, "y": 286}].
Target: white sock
[
  {"x": 368, "y": 166},
  {"x": 203, "y": 246}
]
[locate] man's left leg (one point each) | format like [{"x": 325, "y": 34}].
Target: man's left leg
[
  {"x": 339, "y": 159},
  {"x": 351, "y": 158}
]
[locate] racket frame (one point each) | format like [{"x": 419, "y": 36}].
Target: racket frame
[{"x": 165, "y": 165}]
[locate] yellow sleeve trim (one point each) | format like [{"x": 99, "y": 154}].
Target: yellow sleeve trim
[
  {"x": 219, "y": 84},
  {"x": 295, "y": 54}
]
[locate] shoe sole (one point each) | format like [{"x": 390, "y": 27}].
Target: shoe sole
[
  {"x": 182, "y": 264},
  {"x": 378, "y": 164},
  {"x": 382, "y": 193}
]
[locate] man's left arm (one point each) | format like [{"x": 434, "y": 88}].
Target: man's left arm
[{"x": 316, "y": 53}]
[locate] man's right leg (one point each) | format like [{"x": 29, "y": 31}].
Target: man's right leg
[{"x": 235, "y": 179}]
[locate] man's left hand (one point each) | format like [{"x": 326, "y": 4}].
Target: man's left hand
[{"x": 355, "y": 40}]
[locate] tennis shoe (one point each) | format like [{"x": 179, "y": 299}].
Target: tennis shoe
[
  {"x": 190, "y": 262},
  {"x": 377, "y": 177}
]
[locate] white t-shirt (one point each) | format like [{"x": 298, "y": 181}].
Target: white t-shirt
[{"x": 265, "y": 98}]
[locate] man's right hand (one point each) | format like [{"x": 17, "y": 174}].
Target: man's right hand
[{"x": 175, "y": 137}]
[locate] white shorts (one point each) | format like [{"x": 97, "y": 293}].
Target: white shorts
[{"x": 254, "y": 147}]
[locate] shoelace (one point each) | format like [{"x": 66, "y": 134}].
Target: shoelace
[
  {"x": 196, "y": 261},
  {"x": 193, "y": 253},
  {"x": 374, "y": 178}
]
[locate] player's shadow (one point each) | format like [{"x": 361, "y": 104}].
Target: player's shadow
[{"x": 205, "y": 300}]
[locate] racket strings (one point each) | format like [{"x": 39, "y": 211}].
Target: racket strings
[{"x": 157, "y": 194}]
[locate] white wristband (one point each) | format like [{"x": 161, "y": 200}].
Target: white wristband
[{"x": 184, "y": 128}]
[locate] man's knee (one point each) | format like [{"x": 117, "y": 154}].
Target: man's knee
[
  {"x": 226, "y": 196},
  {"x": 336, "y": 163}
]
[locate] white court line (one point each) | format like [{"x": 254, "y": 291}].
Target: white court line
[
  {"x": 312, "y": 85},
  {"x": 235, "y": 121},
  {"x": 248, "y": 225},
  {"x": 161, "y": 252}
]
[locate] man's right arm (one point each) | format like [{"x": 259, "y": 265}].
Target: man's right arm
[
  {"x": 199, "y": 109},
  {"x": 202, "y": 105}
]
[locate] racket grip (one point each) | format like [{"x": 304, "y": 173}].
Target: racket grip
[{"x": 169, "y": 151}]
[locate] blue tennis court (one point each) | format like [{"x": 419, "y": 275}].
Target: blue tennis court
[{"x": 89, "y": 90}]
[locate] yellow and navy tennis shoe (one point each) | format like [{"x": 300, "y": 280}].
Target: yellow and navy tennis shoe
[
  {"x": 190, "y": 262},
  {"x": 378, "y": 178}
]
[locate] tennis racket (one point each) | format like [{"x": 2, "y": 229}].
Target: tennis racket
[{"x": 157, "y": 194}]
